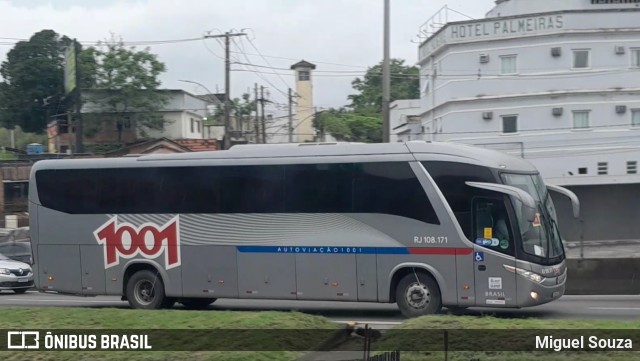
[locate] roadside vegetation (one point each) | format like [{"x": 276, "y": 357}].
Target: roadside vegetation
[
  {"x": 471, "y": 332},
  {"x": 288, "y": 327}
]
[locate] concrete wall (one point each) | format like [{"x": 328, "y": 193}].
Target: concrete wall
[
  {"x": 603, "y": 276},
  {"x": 597, "y": 220},
  {"x": 178, "y": 126}
]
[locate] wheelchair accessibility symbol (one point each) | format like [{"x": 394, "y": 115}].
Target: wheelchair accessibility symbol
[{"x": 478, "y": 256}]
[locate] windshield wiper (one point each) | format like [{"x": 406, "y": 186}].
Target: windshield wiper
[{"x": 545, "y": 217}]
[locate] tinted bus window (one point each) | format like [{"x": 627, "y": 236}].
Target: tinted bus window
[
  {"x": 248, "y": 189},
  {"x": 391, "y": 188},
  {"x": 387, "y": 188},
  {"x": 319, "y": 188}
]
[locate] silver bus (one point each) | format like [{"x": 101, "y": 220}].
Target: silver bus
[{"x": 420, "y": 224}]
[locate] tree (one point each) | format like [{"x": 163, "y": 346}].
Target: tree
[
  {"x": 363, "y": 122},
  {"x": 241, "y": 108},
  {"x": 129, "y": 79},
  {"x": 405, "y": 84},
  {"x": 33, "y": 86},
  {"x": 346, "y": 125}
]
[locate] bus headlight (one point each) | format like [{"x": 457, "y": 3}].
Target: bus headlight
[
  {"x": 524, "y": 273},
  {"x": 4, "y": 271}
]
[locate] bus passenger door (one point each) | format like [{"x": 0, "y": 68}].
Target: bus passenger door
[{"x": 494, "y": 249}]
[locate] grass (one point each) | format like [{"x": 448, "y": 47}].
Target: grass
[
  {"x": 262, "y": 331},
  {"x": 8, "y": 156},
  {"x": 489, "y": 334}
]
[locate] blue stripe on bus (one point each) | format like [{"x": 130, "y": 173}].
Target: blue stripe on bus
[{"x": 323, "y": 249}]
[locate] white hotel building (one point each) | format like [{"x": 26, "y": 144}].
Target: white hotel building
[{"x": 554, "y": 81}]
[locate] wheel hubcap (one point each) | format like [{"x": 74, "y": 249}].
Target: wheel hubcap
[
  {"x": 417, "y": 295},
  {"x": 144, "y": 292}
]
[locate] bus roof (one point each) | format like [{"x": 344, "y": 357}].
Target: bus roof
[{"x": 421, "y": 150}]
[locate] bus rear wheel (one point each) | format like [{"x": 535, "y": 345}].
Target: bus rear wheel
[
  {"x": 417, "y": 294},
  {"x": 145, "y": 290},
  {"x": 197, "y": 303}
]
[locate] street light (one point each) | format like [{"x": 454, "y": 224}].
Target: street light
[{"x": 215, "y": 100}]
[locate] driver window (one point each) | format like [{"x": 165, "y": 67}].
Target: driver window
[{"x": 491, "y": 225}]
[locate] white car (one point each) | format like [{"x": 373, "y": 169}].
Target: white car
[{"x": 15, "y": 275}]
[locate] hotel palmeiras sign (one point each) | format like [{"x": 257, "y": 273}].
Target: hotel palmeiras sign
[{"x": 491, "y": 29}]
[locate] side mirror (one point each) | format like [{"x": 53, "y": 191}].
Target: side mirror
[
  {"x": 575, "y": 202},
  {"x": 528, "y": 203}
]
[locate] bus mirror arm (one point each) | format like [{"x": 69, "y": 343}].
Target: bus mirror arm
[
  {"x": 575, "y": 202},
  {"x": 528, "y": 203}
]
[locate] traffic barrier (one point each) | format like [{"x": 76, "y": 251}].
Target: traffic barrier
[{"x": 603, "y": 276}]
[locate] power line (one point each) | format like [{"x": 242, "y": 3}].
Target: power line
[
  {"x": 129, "y": 43},
  {"x": 349, "y": 72},
  {"x": 266, "y": 61},
  {"x": 325, "y": 75},
  {"x": 260, "y": 75},
  {"x": 314, "y": 61}
]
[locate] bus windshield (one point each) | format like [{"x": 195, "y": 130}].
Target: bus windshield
[{"x": 541, "y": 237}]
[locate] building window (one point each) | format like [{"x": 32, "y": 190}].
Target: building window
[
  {"x": 581, "y": 59},
  {"x": 580, "y": 119},
  {"x": 602, "y": 168},
  {"x": 632, "y": 167},
  {"x": 510, "y": 124},
  {"x": 635, "y": 57},
  {"x": 508, "y": 64},
  {"x": 582, "y": 170},
  {"x": 304, "y": 75},
  {"x": 192, "y": 124},
  {"x": 635, "y": 117}
]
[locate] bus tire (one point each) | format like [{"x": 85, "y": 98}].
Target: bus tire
[
  {"x": 145, "y": 290},
  {"x": 418, "y": 294},
  {"x": 197, "y": 303}
]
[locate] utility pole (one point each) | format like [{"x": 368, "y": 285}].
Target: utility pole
[
  {"x": 256, "y": 122},
  {"x": 264, "y": 127},
  {"x": 321, "y": 137},
  {"x": 290, "y": 117},
  {"x": 227, "y": 71},
  {"x": 386, "y": 78},
  {"x": 78, "y": 101}
]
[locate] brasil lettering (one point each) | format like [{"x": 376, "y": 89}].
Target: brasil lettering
[{"x": 125, "y": 240}]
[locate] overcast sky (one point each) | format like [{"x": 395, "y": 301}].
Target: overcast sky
[{"x": 345, "y": 32}]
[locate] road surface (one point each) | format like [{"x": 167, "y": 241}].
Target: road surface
[{"x": 381, "y": 315}]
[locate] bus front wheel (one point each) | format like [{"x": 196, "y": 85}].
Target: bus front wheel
[
  {"x": 145, "y": 290},
  {"x": 417, "y": 294}
]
